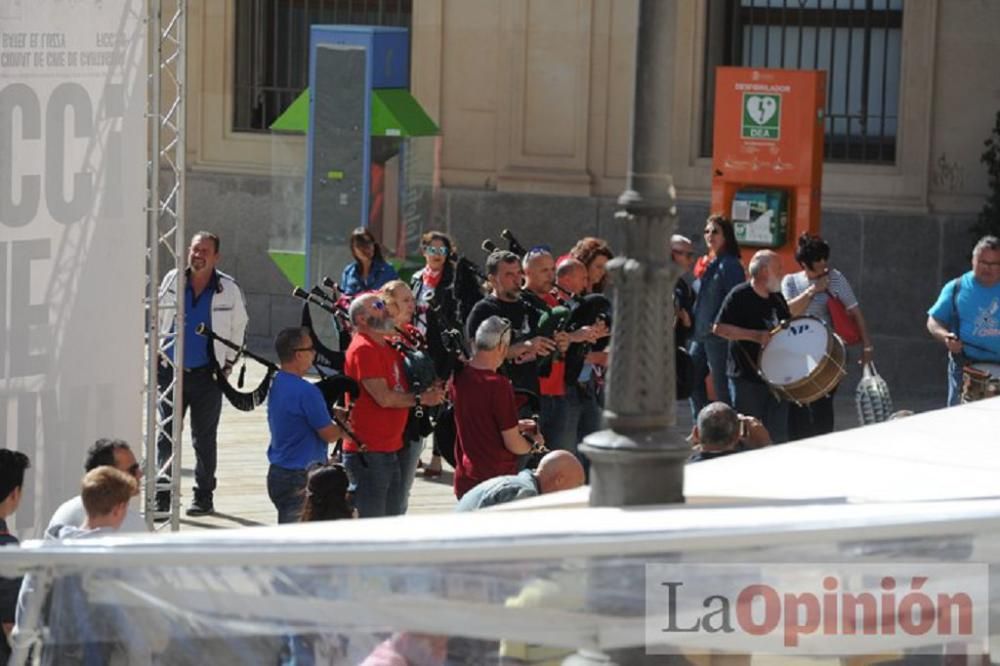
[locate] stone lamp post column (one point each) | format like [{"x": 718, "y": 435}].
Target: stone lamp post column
[{"x": 638, "y": 459}]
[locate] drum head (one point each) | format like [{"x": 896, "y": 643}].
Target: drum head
[
  {"x": 795, "y": 352},
  {"x": 992, "y": 369}
]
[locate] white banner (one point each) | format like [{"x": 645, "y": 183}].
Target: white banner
[{"x": 72, "y": 236}]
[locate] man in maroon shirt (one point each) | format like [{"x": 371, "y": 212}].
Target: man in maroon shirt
[
  {"x": 379, "y": 417},
  {"x": 490, "y": 435}
]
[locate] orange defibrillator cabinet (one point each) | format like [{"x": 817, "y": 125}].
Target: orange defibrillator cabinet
[{"x": 767, "y": 161}]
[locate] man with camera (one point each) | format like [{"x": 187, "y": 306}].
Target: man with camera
[{"x": 721, "y": 431}]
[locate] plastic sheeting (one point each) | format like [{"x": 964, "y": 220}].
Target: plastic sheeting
[{"x": 554, "y": 581}]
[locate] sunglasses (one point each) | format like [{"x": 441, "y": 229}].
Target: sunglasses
[
  {"x": 436, "y": 251},
  {"x": 135, "y": 469},
  {"x": 378, "y": 305}
]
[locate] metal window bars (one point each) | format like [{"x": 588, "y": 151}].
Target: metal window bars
[
  {"x": 165, "y": 240},
  {"x": 857, "y": 42},
  {"x": 272, "y": 49}
]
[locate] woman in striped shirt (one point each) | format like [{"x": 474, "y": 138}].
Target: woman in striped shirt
[{"x": 808, "y": 293}]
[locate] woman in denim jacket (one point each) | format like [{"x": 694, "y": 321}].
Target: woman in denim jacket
[
  {"x": 709, "y": 352},
  {"x": 369, "y": 271}
]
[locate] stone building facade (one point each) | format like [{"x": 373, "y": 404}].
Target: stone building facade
[{"x": 533, "y": 99}]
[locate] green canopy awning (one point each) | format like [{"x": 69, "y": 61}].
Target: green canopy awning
[
  {"x": 296, "y": 117},
  {"x": 394, "y": 112}
]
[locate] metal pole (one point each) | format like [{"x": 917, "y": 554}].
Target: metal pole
[
  {"x": 153, "y": 264},
  {"x": 166, "y": 212},
  {"x": 640, "y": 459}
]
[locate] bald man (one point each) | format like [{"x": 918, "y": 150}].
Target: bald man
[
  {"x": 748, "y": 316},
  {"x": 558, "y": 470}
]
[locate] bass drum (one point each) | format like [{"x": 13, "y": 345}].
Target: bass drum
[
  {"x": 445, "y": 434},
  {"x": 803, "y": 361}
]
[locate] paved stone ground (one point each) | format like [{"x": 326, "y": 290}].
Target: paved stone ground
[{"x": 241, "y": 498}]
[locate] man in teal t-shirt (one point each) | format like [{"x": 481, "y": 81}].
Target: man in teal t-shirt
[{"x": 966, "y": 316}]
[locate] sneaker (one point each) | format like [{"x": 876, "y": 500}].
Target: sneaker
[
  {"x": 200, "y": 507},
  {"x": 162, "y": 501}
]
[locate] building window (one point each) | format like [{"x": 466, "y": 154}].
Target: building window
[
  {"x": 857, "y": 42},
  {"x": 272, "y": 49}
]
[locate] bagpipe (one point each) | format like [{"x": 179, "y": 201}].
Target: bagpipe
[
  {"x": 337, "y": 307},
  {"x": 446, "y": 434},
  {"x": 332, "y": 387}
]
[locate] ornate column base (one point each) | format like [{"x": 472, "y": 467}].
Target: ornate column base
[{"x": 638, "y": 468}]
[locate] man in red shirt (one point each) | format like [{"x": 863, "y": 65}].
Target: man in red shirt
[
  {"x": 489, "y": 437},
  {"x": 379, "y": 416}
]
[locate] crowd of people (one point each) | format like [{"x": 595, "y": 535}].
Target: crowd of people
[{"x": 505, "y": 365}]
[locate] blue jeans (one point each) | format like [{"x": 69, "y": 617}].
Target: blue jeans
[
  {"x": 708, "y": 355},
  {"x": 583, "y": 416},
  {"x": 954, "y": 381},
  {"x": 555, "y": 424},
  {"x": 286, "y": 488},
  {"x": 755, "y": 399},
  {"x": 378, "y": 488},
  {"x": 408, "y": 457}
]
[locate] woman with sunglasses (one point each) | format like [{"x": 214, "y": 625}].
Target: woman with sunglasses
[
  {"x": 431, "y": 285},
  {"x": 369, "y": 271},
  {"x": 810, "y": 292},
  {"x": 709, "y": 352}
]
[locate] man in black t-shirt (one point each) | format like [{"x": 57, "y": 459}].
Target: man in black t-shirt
[
  {"x": 503, "y": 271},
  {"x": 750, "y": 312}
]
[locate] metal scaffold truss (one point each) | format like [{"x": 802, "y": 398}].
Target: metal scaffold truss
[{"x": 165, "y": 250}]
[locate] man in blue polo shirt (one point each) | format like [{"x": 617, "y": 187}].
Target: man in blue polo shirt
[
  {"x": 214, "y": 299},
  {"x": 299, "y": 421},
  {"x": 966, "y": 316}
]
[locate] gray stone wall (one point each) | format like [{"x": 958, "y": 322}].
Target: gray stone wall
[{"x": 896, "y": 263}]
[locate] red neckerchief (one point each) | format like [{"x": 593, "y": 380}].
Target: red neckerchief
[{"x": 431, "y": 278}]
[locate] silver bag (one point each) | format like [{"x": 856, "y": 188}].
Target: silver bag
[{"x": 872, "y": 397}]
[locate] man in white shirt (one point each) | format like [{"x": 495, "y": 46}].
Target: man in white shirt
[{"x": 114, "y": 453}]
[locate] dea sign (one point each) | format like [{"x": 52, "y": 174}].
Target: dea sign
[{"x": 761, "y": 116}]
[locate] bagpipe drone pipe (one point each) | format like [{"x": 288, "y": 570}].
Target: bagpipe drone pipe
[{"x": 333, "y": 387}]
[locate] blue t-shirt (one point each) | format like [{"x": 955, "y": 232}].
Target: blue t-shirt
[
  {"x": 978, "y": 316},
  {"x": 380, "y": 273},
  {"x": 295, "y": 412}
]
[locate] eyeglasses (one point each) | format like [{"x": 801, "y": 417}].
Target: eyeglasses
[
  {"x": 988, "y": 264},
  {"x": 712, "y": 231},
  {"x": 684, "y": 253},
  {"x": 436, "y": 251}
]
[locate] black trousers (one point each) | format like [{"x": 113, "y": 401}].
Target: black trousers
[
  {"x": 203, "y": 397},
  {"x": 810, "y": 420}
]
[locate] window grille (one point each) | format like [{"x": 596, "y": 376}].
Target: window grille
[
  {"x": 857, "y": 42},
  {"x": 272, "y": 49}
]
